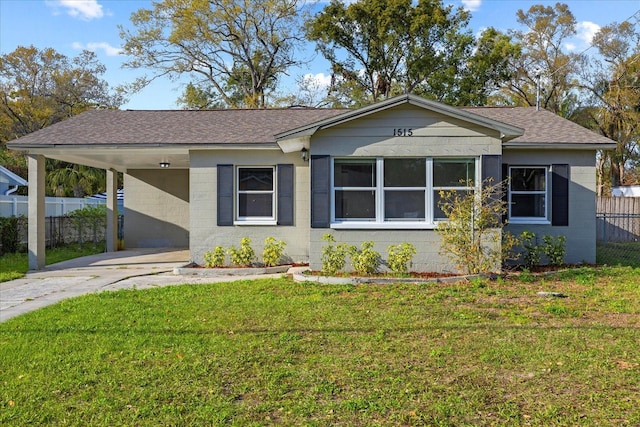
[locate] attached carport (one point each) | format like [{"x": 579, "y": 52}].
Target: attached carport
[{"x": 91, "y": 139}]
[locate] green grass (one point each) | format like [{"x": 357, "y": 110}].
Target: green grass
[
  {"x": 14, "y": 266},
  {"x": 273, "y": 352}
]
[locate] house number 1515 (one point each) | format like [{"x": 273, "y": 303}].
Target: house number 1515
[{"x": 402, "y": 132}]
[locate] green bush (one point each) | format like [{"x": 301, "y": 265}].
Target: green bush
[
  {"x": 555, "y": 249},
  {"x": 214, "y": 258},
  {"x": 531, "y": 256},
  {"x": 9, "y": 235},
  {"x": 364, "y": 260},
  {"x": 273, "y": 250},
  {"x": 244, "y": 256},
  {"x": 333, "y": 256},
  {"x": 399, "y": 256},
  {"x": 92, "y": 217}
]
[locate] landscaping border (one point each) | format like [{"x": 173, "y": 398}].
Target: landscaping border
[{"x": 192, "y": 270}]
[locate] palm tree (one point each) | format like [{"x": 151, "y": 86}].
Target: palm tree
[{"x": 73, "y": 180}]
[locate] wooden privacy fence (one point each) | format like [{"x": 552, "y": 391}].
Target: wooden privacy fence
[{"x": 618, "y": 219}]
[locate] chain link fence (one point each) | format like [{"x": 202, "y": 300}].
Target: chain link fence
[
  {"x": 618, "y": 231},
  {"x": 59, "y": 231}
]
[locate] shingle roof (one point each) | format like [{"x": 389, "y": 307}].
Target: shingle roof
[
  {"x": 183, "y": 127},
  {"x": 107, "y": 127},
  {"x": 541, "y": 126}
]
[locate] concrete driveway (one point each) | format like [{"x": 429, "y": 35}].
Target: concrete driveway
[{"x": 139, "y": 268}]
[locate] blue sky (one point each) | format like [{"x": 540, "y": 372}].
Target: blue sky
[{"x": 69, "y": 26}]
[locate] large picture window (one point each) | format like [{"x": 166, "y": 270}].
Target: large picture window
[
  {"x": 400, "y": 191},
  {"x": 256, "y": 194},
  {"x": 528, "y": 193}
]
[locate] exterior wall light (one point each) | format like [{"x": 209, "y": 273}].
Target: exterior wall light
[
  {"x": 165, "y": 165},
  {"x": 304, "y": 154}
]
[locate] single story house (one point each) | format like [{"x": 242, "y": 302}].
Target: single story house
[{"x": 201, "y": 179}]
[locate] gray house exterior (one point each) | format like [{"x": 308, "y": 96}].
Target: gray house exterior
[{"x": 201, "y": 179}]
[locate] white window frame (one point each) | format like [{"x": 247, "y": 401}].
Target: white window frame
[
  {"x": 546, "y": 193},
  {"x": 476, "y": 180},
  {"x": 255, "y": 220},
  {"x": 379, "y": 222}
]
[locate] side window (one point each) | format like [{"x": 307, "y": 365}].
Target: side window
[
  {"x": 255, "y": 199},
  {"x": 528, "y": 193}
]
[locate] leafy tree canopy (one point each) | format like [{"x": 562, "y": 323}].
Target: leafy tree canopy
[
  {"x": 236, "y": 49},
  {"x": 41, "y": 87},
  {"x": 612, "y": 84},
  {"x": 544, "y": 61},
  {"x": 381, "y": 48}
]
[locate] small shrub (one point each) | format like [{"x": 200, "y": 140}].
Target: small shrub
[
  {"x": 94, "y": 217},
  {"x": 510, "y": 253},
  {"x": 471, "y": 235},
  {"x": 531, "y": 256},
  {"x": 9, "y": 235},
  {"x": 215, "y": 258},
  {"x": 273, "y": 250},
  {"x": 399, "y": 256},
  {"x": 554, "y": 248},
  {"x": 364, "y": 260},
  {"x": 243, "y": 256},
  {"x": 333, "y": 256}
]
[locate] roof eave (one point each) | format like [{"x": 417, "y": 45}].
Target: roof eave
[
  {"x": 137, "y": 146},
  {"x": 559, "y": 146}
]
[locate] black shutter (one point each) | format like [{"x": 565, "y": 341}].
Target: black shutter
[
  {"x": 225, "y": 195},
  {"x": 285, "y": 194},
  {"x": 491, "y": 168},
  {"x": 320, "y": 191},
  {"x": 505, "y": 190},
  {"x": 491, "y": 172},
  {"x": 560, "y": 195}
]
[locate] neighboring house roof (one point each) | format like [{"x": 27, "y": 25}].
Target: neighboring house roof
[
  {"x": 9, "y": 178},
  {"x": 626, "y": 191}
]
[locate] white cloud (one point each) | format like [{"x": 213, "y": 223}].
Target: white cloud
[
  {"x": 570, "y": 46},
  {"x": 471, "y": 5},
  {"x": 319, "y": 80},
  {"x": 81, "y": 9},
  {"x": 95, "y": 46},
  {"x": 586, "y": 31}
]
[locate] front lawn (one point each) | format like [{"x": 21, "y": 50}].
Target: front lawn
[{"x": 273, "y": 352}]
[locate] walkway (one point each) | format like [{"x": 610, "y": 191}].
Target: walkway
[{"x": 139, "y": 268}]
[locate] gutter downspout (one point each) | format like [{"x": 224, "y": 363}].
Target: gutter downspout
[{"x": 11, "y": 190}]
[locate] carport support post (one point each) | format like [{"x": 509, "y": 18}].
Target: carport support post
[
  {"x": 36, "y": 237},
  {"x": 112, "y": 210}
]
